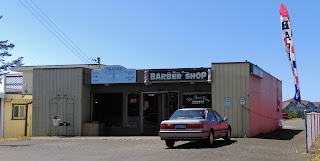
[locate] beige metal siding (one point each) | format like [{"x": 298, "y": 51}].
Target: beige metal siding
[
  {"x": 87, "y": 76},
  {"x": 86, "y": 113},
  {"x": 86, "y": 96},
  {"x": 1, "y": 116},
  {"x": 48, "y": 83},
  {"x": 13, "y": 128},
  {"x": 27, "y": 82},
  {"x": 232, "y": 80}
]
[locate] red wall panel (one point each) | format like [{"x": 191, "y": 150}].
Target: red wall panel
[{"x": 265, "y": 96}]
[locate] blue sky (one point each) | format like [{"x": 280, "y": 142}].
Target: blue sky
[{"x": 171, "y": 34}]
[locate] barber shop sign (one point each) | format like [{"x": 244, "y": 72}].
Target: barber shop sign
[{"x": 198, "y": 74}]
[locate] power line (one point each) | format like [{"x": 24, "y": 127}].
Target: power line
[
  {"x": 59, "y": 38},
  {"x": 51, "y": 31},
  {"x": 73, "y": 49},
  {"x": 260, "y": 114},
  {"x": 60, "y": 29}
]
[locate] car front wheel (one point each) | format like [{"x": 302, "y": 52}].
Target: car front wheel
[
  {"x": 170, "y": 143},
  {"x": 227, "y": 137}
]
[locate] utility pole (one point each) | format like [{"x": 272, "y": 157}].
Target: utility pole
[{"x": 98, "y": 60}]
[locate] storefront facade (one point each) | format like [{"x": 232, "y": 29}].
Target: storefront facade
[
  {"x": 94, "y": 100},
  {"x": 137, "y": 107}
]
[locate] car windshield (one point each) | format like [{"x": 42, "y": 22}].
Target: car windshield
[{"x": 188, "y": 114}]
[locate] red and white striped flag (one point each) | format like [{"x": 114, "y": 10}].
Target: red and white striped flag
[{"x": 289, "y": 47}]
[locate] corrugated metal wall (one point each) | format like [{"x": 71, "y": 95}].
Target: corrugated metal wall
[
  {"x": 13, "y": 128},
  {"x": 86, "y": 102},
  {"x": 48, "y": 83},
  {"x": 232, "y": 81},
  {"x": 265, "y": 104}
]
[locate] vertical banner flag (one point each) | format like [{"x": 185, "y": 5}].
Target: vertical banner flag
[{"x": 289, "y": 47}]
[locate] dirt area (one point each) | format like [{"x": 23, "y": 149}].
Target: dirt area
[{"x": 315, "y": 149}]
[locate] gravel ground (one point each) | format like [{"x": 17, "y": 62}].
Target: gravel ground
[{"x": 285, "y": 145}]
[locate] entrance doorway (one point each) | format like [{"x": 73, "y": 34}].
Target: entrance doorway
[
  {"x": 107, "y": 109},
  {"x": 157, "y": 106}
]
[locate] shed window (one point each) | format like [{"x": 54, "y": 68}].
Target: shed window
[{"x": 19, "y": 112}]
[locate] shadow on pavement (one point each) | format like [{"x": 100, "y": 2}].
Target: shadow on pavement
[
  {"x": 13, "y": 146},
  {"x": 281, "y": 134},
  {"x": 199, "y": 145}
]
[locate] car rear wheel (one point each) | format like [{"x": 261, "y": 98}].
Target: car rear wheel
[
  {"x": 210, "y": 139},
  {"x": 227, "y": 137},
  {"x": 170, "y": 143}
]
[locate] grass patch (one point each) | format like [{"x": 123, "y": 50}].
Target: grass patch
[{"x": 15, "y": 138}]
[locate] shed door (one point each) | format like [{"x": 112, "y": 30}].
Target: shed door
[{"x": 29, "y": 121}]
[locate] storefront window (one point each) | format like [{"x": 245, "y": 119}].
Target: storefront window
[{"x": 197, "y": 101}]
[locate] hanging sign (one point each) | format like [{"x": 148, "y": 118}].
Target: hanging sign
[{"x": 113, "y": 74}]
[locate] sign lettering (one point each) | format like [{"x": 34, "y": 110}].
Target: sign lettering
[
  {"x": 197, "y": 100},
  {"x": 178, "y": 75}
]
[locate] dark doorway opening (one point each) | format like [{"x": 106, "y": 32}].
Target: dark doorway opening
[
  {"x": 107, "y": 109},
  {"x": 156, "y": 108},
  {"x": 151, "y": 111}
]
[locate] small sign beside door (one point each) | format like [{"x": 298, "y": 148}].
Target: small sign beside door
[
  {"x": 242, "y": 101},
  {"x": 227, "y": 102}
]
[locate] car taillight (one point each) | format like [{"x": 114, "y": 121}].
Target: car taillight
[
  {"x": 166, "y": 126},
  {"x": 195, "y": 126}
]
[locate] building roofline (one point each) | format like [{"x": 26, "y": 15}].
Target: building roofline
[
  {"x": 232, "y": 62},
  {"x": 30, "y": 68}
]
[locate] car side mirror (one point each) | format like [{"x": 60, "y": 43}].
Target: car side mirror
[{"x": 225, "y": 119}]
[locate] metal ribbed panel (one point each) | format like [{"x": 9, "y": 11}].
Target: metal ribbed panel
[
  {"x": 47, "y": 85},
  {"x": 232, "y": 81}
]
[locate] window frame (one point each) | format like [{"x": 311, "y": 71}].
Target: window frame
[
  {"x": 219, "y": 118},
  {"x": 213, "y": 116},
  {"x": 19, "y": 111}
]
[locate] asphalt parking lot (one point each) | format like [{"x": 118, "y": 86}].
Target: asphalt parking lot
[{"x": 285, "y": 145}]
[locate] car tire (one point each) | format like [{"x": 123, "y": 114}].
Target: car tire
[
  {"x": 227, "y": 137},
  {"x": 170, "y": 143},
  {"x": 210, "y": 139}
]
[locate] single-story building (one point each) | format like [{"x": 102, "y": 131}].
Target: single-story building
[{"x": 114, "y": 100}]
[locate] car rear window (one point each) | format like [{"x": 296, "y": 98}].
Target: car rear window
[{"x": 188, "y": 114}]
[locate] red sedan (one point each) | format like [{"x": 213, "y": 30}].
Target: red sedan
[{"x": 285, "y": 116}]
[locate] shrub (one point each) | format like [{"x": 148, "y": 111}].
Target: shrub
[{"x": 291, "y": 114}]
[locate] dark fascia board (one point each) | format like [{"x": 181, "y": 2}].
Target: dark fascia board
[{"x": 232, "y": 62}]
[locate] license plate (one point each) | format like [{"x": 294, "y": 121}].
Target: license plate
[{"x": 180, "y": 126}]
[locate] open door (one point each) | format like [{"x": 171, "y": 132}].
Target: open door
[
  {"x": 152, "y": 103},
  {"x": 156, "y": 108}
]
